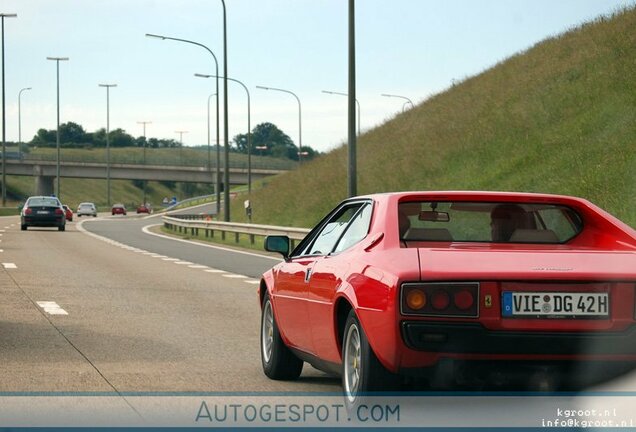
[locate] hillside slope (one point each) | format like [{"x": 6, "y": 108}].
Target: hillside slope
[{"x": 557, "y": 118}]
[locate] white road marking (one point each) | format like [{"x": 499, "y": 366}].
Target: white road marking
[
  {"x": 183, "y": 262},
  {"x": 171, "y": 259},
  {"x": 234, "y": 276},
  {"x": 9, "y": 265},
  {"x": 51, "y": 308},
  {"x": 1, "y": 250},
  {"x": 252, "y": 282},
  {"x": 198, "y": 266},
  {"x": 215, "y": 271}
]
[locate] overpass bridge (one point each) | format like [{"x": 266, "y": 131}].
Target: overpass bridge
[{"x": 44, "y": 172}]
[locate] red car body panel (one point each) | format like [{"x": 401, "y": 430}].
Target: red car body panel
[{"x": 307, "y": 292}]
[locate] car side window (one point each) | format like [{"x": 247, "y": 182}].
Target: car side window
[
  {"x": 325, "y": 240},
  {"x": 357, "y": 230}
]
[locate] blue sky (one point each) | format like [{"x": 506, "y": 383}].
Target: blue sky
[{"x": 413, "y": 48}]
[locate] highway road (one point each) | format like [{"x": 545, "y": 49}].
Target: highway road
[
  {"x": 175, "y": 317},
  {"x": 108, "y": 308}
]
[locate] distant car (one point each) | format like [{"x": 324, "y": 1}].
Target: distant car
[
  {"x": 118, "y": 209},
  {"x": 143, "y": 208},
  {"x": 43, "y": 211},
  {"x": 454, "y": 286},
  {"x": 68, "y": 212},
  {"x": 86, "y": 209}
]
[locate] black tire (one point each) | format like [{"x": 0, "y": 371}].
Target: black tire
[
  {"x": 362, "y": 372},
  {"x": 61, "y": 228},
  {"x": 23, "y": 227},
  {"x": 279, "y": 363}
]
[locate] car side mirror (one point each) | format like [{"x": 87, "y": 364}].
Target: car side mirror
[{"x": 278, "y": 244}]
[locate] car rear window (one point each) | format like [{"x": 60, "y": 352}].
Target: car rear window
[
  {"x": 493, "y": 222},
  {"x": 43, "y": 202}
]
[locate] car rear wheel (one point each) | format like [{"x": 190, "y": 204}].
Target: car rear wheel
[
  {"x": 362, "y": 372},
  {"x": 61, "y": 228},
  {"x": 23, "y": 227},
  {"x": 279, "y": 363}
]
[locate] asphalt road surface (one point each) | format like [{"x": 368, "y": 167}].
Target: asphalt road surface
[{"x": 134, "y": 321}]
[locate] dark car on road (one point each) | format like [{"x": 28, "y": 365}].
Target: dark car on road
[{"x": 43, "y": 211}]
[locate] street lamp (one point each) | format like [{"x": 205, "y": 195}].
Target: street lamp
[
  {"x": 57, "y": 60},
  {"x": 20, "y": 120},
  {"x": 181, "y": 132},
  {"x": 401, "y": 97},
  {"x": 218, "y": 146},
  {"x": 344, "y": 94},
  {"x": 4, "y": 120},
  {"x": 145, "y": 181},
  {"x": 107, "y": 86},
  {"x": 249, "y": 129},
  {"x": 300, "y": 134}
]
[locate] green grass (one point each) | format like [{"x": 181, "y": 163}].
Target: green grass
[{"x": 557, "y": 118}]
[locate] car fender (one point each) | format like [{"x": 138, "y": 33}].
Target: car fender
[{"x": 372, "y": 301}]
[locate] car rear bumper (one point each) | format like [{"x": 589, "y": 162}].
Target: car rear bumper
[
  {"x": 473, "y": 338},
  {"x": 43, "y": 221}
]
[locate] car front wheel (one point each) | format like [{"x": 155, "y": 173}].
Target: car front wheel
[
  {"x": 279, "y": 363},
  {"x": 362, "y": 372}
]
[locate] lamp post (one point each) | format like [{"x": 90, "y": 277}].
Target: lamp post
[
  {"x": 4, "y": 120},
  {"x": 144, "y": 123},
  {"x": 107, "y": 86},
  {"x": 218, "y": 146},
  {"x": 226, "y": 173},
  {"x": 20, "y": 120},
  {"x": 57, "y": 141},
  {"x": 300, "y": 133},
  {"x": 401, "y": 97},
  {"x": 249, "y": 129},
  {"x": 181, "y": 132},
  {"x": 344, "y": 94}
]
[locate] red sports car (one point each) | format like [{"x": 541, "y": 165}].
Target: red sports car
[
  {"x": 466, "y": 285},
  {"x": 143, "y": 208}
]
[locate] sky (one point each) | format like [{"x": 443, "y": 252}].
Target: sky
[{"x": 411, "y": 48}]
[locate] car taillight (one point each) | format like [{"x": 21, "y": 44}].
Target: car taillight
[
  {"x": 28, "y": 211},
  {"x": 451, "y": 299},
  {"x": 59, "y": 211}
]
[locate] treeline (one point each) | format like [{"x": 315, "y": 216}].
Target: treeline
[
  {"x": 267, "y": 140},
  {"x": 73, "y": 135}
]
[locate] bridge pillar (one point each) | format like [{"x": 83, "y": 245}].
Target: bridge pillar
[{"x": 44, "y": 185}]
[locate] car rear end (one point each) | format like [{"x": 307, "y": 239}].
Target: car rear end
[
  {"x": 43, "y": 212},
  {"x": 484, "y": 309}
]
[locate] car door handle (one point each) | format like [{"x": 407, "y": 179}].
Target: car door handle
[{"x": 307, "y": 275}]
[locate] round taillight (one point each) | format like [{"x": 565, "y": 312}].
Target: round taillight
[
  {"x": 440, "y": 300},
  {"x": 416, "y": 299},
  {"x": 464, "y": 300},
  {"x": 59, "y": 211},
  {"x": 28, "y": 211}
]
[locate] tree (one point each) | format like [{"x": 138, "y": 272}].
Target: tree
[
  {"x": 277, "y": 143},
  {"x": 72, "y": 133}
]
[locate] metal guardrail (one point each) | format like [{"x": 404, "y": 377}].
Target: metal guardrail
[{"x": 194, "y": 223}]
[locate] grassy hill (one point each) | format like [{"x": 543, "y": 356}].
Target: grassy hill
[{"x": 557, "y": 118}]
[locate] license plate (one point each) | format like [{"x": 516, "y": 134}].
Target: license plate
[
  {"x": 42, "y": 212},
  {"x": 555, "y": 305}
]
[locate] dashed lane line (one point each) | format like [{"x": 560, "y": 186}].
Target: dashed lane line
[
  {"x": 51, "y": 308},
  {"x": 163, "y": 257},
  {"x": 9, "y": 265}
]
